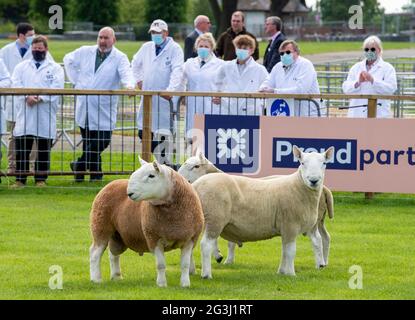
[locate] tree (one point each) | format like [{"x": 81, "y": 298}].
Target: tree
[
  {"x": 39, "y": 13},
  {"x": 222, "y": 15},
  {"x": 199, "y": 7},
  {"x": 131, "y": 11},
  {"x": 167, "y": 10},
  {"x": 14, "y": 10},
  {"x": 100, "y": 12},
  {"x": 333, "y": 10}
]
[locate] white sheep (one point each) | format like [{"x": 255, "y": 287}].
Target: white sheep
[
  {"x": 198, "y": 165},
  {"x": 156, "y": 210},
  {"x": 242, "y": 209}
]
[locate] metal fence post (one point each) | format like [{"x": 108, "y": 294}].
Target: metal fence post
[
  {"x": 146, "y": 141},
  {"x": 371, "y": 113}
]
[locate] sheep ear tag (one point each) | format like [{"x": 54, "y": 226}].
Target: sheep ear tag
[{"x": 142, "y": 161}]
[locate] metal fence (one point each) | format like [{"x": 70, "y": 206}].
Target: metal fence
[
  {"x": 169, "y": 141},
  {"x": 331, "y": 76}
]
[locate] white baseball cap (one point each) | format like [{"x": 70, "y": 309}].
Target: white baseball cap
[{"x": 158, "y": 26}]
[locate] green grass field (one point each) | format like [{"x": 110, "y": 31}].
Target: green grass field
[
  {"x": 59, "y": 48},
  {"x": 45, "y": 227}
]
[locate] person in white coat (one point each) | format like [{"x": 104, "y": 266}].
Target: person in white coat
[
  {"x": 370, "y": 76},
  {"x": 5, "y": 82},
  {"x": 36, "y": 120},
  {"x": 158, "y": 66},
  {"x": 294, "y": 75},
  {"x": 242, "y": 74},
  {"x": 199, "y": 75},
  {"x": 12, "y": 54},
  {"x": 99, "y": 67}
]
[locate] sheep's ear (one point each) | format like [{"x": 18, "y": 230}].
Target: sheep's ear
[
  {"x": 156, "y": 166},
  {"x": 201, "y": 156},
  {"x": 329, "y": 153},
  {"x": 297, "y": 152},
  {"x": 142, "y": 161}
]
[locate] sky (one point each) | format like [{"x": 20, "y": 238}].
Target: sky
[{"x": 391, "y": 6}]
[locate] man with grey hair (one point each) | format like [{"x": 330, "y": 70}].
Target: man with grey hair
[
  {"x": 293, "y": 75},
  {"x": 202, "y": 25},
  {"x": 273, "y": 27},
  {"x": 98, "y": 67}
]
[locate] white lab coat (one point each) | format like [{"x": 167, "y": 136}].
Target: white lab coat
[
  {"x": 11, "y": 57},
  {"x": 100, "y": 111},
  {"x": 300, "y": 78},
  {"x": 38, "y": 120},
  {"x": 5, "y": 82},
  {"x": 200, "y": 79},
  {"x": 384, "y": 76},
  {"x": 229, "y": 79},
  {"x": 162, "y": 72}
]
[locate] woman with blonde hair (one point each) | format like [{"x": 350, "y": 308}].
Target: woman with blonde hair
[{"x": 199, "y": 76}]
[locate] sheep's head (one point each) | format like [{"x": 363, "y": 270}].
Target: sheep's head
[
  {"x": 151, "y": 182},
  {"x": 313, "y": 166},
  {"x": 196, "y": 166}
]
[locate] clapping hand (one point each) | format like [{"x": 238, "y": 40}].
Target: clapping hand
[{"x": 32, "y": 100}]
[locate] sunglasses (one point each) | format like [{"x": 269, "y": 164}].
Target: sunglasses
[
  {"x": 285, "y": 52},
  {"x": 371, "y": 49}
]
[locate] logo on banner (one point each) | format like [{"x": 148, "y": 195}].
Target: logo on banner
[
  {"x": 232, "y": 142},
  {"x": 345, "y": 155},
  {"x": 280, "y": 108}
]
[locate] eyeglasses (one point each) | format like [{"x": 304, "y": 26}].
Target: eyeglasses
[
  {"x": 285, "y": 52},
  {"x": 371, "y": 49}
]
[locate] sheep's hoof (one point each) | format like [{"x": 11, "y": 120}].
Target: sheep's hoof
[
  {"x": 162, "y": 284},
  {"x": 286, "y": 273},
  {"x": 219, "y": 259},
  {"x": 116, "y": 277},
  {"x": 321, "y": 266},
  {"x": 97, "y": 281},
  {"x": 228, "y": 261},
  {"x": 185, "y": 285},
  {"x": 206, "y": 277}
]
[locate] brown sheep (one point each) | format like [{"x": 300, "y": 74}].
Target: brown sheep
[{"x": 156, "y": 210}]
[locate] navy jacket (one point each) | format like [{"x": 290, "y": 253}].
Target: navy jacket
[
  {"x": 189, "y": 45},
  {"x": 272, "y": 55}
]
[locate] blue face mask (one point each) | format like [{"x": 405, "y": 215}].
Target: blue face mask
[
  {"x": 242, "y": 54},
  {"x": 29, "y": 40},
  {"x": 371, "y": 56},
  {"x": 203, "y": 53},
  {"x": 157, "y": 39},
  {"x": 287, "y": 59}
]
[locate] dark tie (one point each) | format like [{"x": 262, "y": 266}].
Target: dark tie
[
  {"x": 202, "y": 63},
  {"x": 37, "y": 64},
  {"x": 158, "y": 49},
  {"x": 23, "y": 51}
]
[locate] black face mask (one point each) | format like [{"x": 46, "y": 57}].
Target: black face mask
[{"x": 39, "y": 55}]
